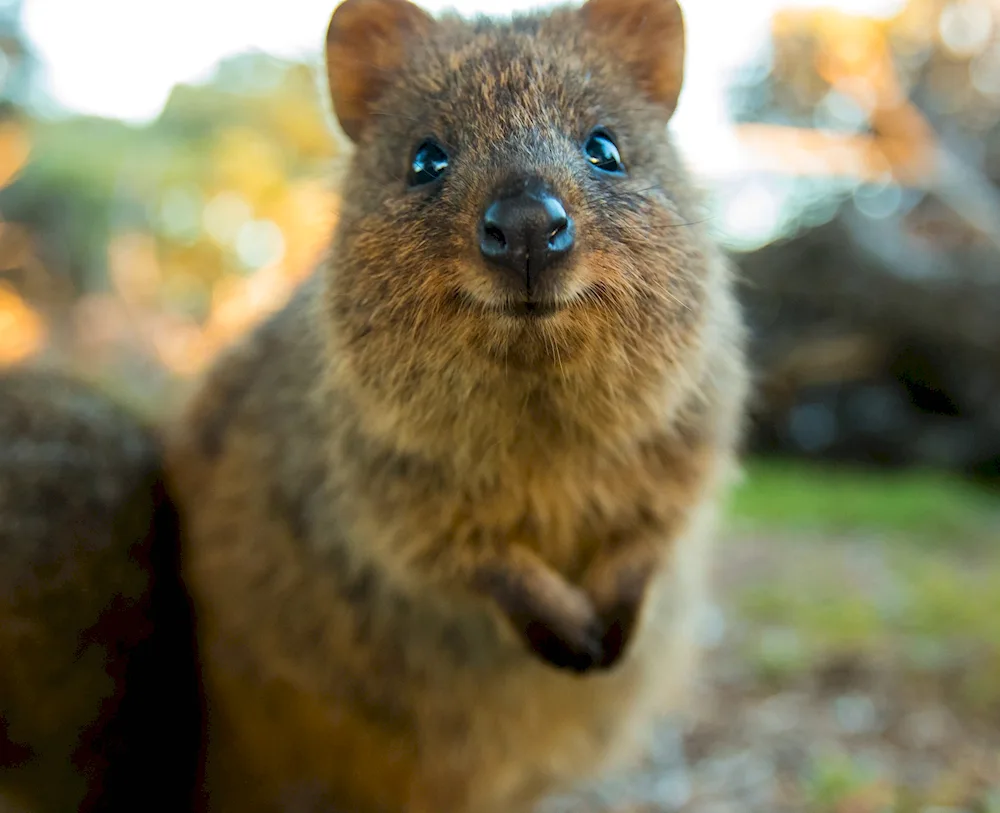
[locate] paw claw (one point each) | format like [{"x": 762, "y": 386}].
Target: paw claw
[{"x": 578, "y": 652}]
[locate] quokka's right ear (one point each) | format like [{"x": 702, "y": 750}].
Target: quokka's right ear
[
  {"x": 647, "y": 37},
  {"x": 365, "y": 47}
]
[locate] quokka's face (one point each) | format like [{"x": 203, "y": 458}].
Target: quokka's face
[{"x": 513, "y": 187}]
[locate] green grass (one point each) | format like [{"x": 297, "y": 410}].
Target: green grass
[
  {"x": 874, "y": 578},
  {"x": 941, "y": 622},
  {"x": 915, "y": 504},
  {"x": 847, "y": 579},
  {"x": 838, "y": 781}
]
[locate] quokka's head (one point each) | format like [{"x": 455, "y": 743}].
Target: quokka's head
[{"x": 513, "y": 200}]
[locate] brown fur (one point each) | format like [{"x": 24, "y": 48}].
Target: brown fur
[
  {"x": 98, "y": 710},
  {"x": 445, "y": 558}
]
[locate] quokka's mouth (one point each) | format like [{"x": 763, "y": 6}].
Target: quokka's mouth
[
  {"x": 532, "y": 309},
  {"x": 527, "y": 310}
]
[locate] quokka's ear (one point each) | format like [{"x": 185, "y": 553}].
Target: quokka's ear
[
  {"x": 365, "y": 47},
  {"x": 648, "y": 37}
]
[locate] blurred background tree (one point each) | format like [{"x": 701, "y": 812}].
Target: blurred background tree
[
  {"x": 876, "y": 300},
  {"x": 18, "y": 66},
  {"x": 134, "y": 253}
]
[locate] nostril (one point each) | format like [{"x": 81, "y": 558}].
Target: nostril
[
  {"x": 561, "y": 236},
  {"x": 495, "y": 234},
  {"x": 558, "y": 227},
  {"x": 493, "y": 242}
]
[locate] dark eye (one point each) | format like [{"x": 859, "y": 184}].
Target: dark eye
[
  {"x": 602, "y": 152},
  {"x": 429, "y": 163}
]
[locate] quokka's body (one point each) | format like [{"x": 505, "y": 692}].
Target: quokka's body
[{"x": 445, "y": 512}]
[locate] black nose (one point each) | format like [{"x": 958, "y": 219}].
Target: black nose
[{"x": 525, "y": 233}]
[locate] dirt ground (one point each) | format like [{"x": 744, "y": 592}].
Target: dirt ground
[{"x": 842, "y": 676}]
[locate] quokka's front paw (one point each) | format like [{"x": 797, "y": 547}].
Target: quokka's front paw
[
  {"x": 558, "y": 622},
  {"x": 617, "y": 584}
]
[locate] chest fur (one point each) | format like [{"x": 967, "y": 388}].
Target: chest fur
[{"x": 565, "y": 510}]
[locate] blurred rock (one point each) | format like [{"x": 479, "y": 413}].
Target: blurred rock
[{"x": 875, "y": 345}]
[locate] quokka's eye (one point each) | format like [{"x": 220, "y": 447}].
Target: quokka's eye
[
  {"x": 602, "y": 152},
  {"x": 429, "y": 163}
]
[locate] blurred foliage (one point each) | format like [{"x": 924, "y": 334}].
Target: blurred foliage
[
  {"x": 858, "y": 105},
  {"x": 147, "y": 249},
  {"x": 18, "y": 66}
]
